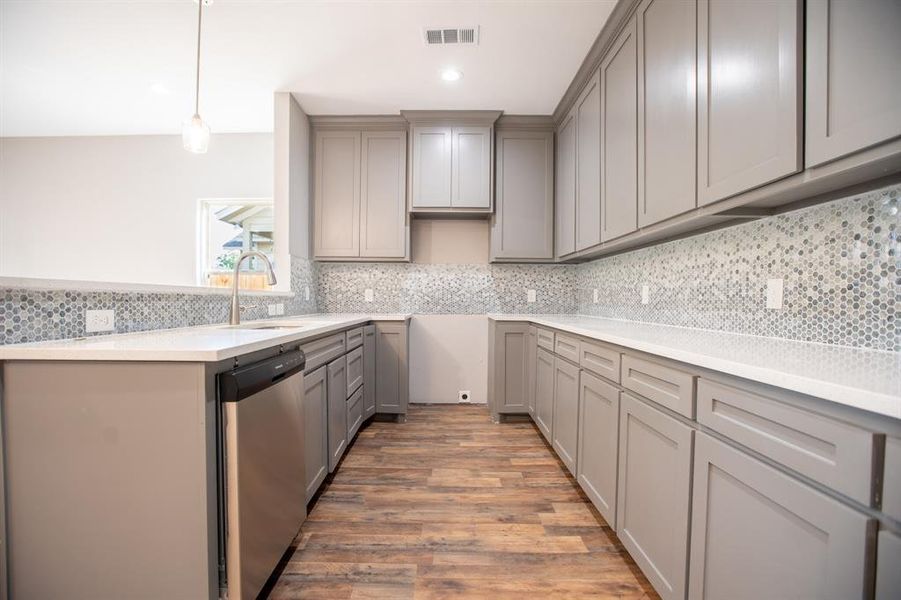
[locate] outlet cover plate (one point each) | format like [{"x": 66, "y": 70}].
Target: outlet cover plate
[
  {"x": 368, "y": 295},
  {"x": 774, "y": 293},
  {"x": 645, "y": 294},
  {"x": 464, "y": 397},
  {"x": 99, "y": 320}
]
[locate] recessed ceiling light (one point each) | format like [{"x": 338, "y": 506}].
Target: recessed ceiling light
[
  {"x": 451, "y": 75},
  {"x": 159, "y": 88}
]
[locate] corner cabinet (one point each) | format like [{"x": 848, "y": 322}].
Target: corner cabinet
[{"x": 523, "y": 224}]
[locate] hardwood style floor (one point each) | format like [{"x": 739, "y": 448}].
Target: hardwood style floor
[{"x": 449, "y": 505}]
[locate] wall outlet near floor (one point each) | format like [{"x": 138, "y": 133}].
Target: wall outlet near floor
[
  {"x": 645, "y": 294},
  {"x": 531, "y": 296},
  {"x": 596, "y": 294},
  {"x": 99, "y": 320},
  {"x": 464, "y": 397},
  {"x": 774, "y": 289},
  {"x": 368, "y": 296}
]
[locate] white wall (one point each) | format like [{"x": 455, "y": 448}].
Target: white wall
[
  {"x": 118, "y": 208},
  {"x": 448, "y": 353}
]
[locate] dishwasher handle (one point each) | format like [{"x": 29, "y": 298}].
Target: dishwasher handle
[{"x": 242, "y": 382}]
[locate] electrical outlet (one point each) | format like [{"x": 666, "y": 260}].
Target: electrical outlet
[
  {"x": 306, "y": 293},
  {"x": 99, "y": 320},
  {"x": 596, "y": 295},
  {"x": 273, "y": 309},
  {"x": 531, "y": 296},
  {"x": 368, "y": 296},
  {"x": 645, "y": 294},
  {"x": 774, "y": 289},
  {"x": 464, "y": 396},
  {"x": 280, "y": 308}
]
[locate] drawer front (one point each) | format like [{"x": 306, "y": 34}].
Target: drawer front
[
  {"x": 322, "y": 351},
  {"x": 829, "y": 451},
  {"x": 545, "y": 338},
  {"x": 354, "y": 338},
  {"x": 567, "y": 347},
  {"x": 354, "y": 370},
  {"x": 666, "y": 386},
  {"x": 891, "y": 484},
  {"x": 600, "y": 360},
  {"x": 354, "y": 414}
]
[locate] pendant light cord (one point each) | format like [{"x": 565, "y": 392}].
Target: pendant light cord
[{"x": 197, "y": 80}]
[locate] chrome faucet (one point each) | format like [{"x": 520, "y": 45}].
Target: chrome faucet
[{"x": 234, "y": 317}]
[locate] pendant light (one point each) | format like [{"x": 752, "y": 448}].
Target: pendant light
[{"x": 195, "y": 134}]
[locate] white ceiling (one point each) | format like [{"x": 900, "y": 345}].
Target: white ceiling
[{"x": 87, "y": 67}]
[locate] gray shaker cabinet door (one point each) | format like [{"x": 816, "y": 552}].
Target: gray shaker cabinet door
[
  {"x": 544, "y": 392},
  {"x": 566, "y": 412},
  {"x": 383, "y": 200},
  {"x": 758, "y": 533},
  {"x": 315, "y": 419},
  {"x": 523, "y": 224},
  {"x": 336, "y": 194},
  {"x": 431, "y": 167},
  {"x": 337, "y": 411},
  {"x": 471, "y": 167},
  {"x": 653, "y": 493},
  {"x": 531, "y": 367},
  {"x": 368, "y": 371},
  {"x": 598, "y": 443},
  {"x": 565, "y": 188},
  {"x": 619, "y": 137},
  {"x": 853, "y": 80},
  {"x": 749, "y": 92},
  {"x": 510, "y": 366},
  {"x": 588, "y": 165},
  {"x": 667, "y": 132},
  {"x": 888, "y": 561},
  {"x": 391, "y": 374}
]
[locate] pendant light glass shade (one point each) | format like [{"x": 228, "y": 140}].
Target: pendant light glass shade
[{"x": 195, "y": 135}]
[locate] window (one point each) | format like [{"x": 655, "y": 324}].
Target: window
[{"x": 229, "y": 227}]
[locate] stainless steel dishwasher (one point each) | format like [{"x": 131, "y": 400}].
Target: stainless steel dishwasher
[{"x": 261, "y": 469}]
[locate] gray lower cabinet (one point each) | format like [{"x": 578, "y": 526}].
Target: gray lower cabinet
[
  {"x": 652, "y": 509},
  {"x": 531, "y": 364},
  {"x": 354, "y": 370},
  {"x": 391, "y": 371},
  {"x": 749, "y": 91},
  {"x": 891, "y": 485},
  {"x": 315, "y": 419},
  {"x": 598, "y": 443},
  {"x": 508, "y": 360},
  {"x": 354, "y": 413},
  {"x": 565, "y": 187},
  {"x": 588, "y": 165},
  {"x": 544, "y": 392},
  {"x": 851, "y": 46},
  {"x": 368, "y": 371},
  {"x": 758, "y": 533},
  {"x": 888, "y": 566},
  {"x": 336, "y": 376},
  {"x": 566, "y": 412}
]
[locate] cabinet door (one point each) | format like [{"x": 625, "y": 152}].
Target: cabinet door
[
  {"x": 337, "y": 411},
  {"x": 431, "y": 167},
  {"x": 888, "y": 575},
  {"x": 566, "y": 412},
  {"x": 853, "y": 80},
  {"x": 619, "y": 137},
  {"x": 510, "y": 366},
  {"x": 383, "y": 199},
  {"x": 749, "y": 94},
  {"x": 588, "y": 165},
  {"x": 523, "y": 224},
  {"x": 471, "y": 152},
  {"x": 391, "y": 375},
  {"x": 315, "y": 427},
  {"x": 531, "y": 366},
  {"x": 368, "y": 371},
  {"x": 565, "y": 188},
  {"x": 354, "y": 370},
  {"x": 336, "y": 194},
  {"x": 758, "y": 533},
  {"x": 544, "y": 392},
  {"x": 598, "y": 443},
  {"x": 667, "y": 138},
  {"x": 652, "y": 498}
]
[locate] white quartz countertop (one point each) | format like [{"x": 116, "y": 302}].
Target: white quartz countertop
[
  {"x": 209, "y": 343},
  {"x": 865, "y": 379}
]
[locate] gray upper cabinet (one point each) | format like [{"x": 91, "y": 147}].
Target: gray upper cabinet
[
  {"x": 749, "y": 94},
  {"x": 432, "y": 167},
  {"x": 391, "y": 373},
  {"x": 598, "y": 435},
  {"x": 566, "y": 412},
  {"x": 336, "y": 196},
  {"x": 588, "y": 165},
  {"x": 523, "y": 224},
  {"x": 544, "y": 392},
  {"x": 619, "y": 136},
  {"x": 853, "y": 91},
  {"x": 758, "y": 533},
  {"x": 565, "y": 187},
  {"x": 315, "y": 419},
  {"x": 336, "y": 375},
  {"x": 667, "y": 133},
  {"x": 383, "y": 206},
  {"x": 471, "y": 167},
  {"x": 368, "y": 371}
]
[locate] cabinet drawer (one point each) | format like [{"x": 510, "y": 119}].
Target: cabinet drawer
[
  {"x": 829, "y": 451},
  {"x": 567, "y": 347},
  {"x": 354, "y": 414},
  {"x": 354, "y": 370},
  {"x": 354, "y": 338},
  {"x": 600, "y": 360},
  {"x": 891, "y": 485},
  {"x": 545, "y": 338},
  {"x": 666, "y": 386},
  {"x": 320, "y": 352}
]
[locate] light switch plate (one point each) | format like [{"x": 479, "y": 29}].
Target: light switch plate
[
  {"x": 99, "y": 320},
  {"x": 273, "y": 310},
  {"x": 280, "y": 309},
  {"x": 774, "y": 293},
  {"x": 368, "y": 296},
  {"x": 531, "y": 296},
  {"x": 645, "y": 294}
]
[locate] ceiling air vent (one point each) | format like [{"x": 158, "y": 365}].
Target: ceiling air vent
[{"x": 441, "y": 36}]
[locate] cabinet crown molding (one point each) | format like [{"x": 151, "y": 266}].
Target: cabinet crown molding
[
  {"x": 368, "y": 122},
  {"x": 522, "y": 122},
  {"x": 451, "y": 117}
]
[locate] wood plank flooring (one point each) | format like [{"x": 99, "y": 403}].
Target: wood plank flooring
[{"x": 449, "y": 505}]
